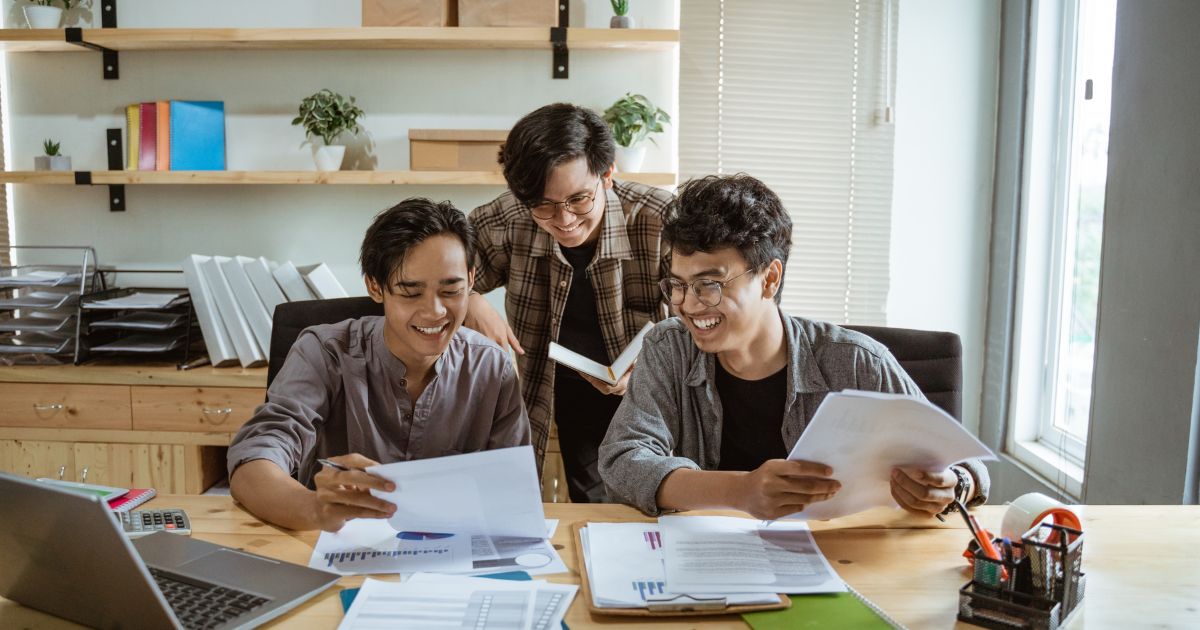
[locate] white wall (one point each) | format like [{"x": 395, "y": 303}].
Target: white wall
[
  {"x": 63, "y": 96},
  {"x": 945, "y": 145}
]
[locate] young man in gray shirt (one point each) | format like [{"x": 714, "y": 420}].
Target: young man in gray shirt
[
  {"x": 722, "y": 392},
  {"x": 412, "y": 384}
]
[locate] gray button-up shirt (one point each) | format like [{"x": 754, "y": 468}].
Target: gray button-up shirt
[
  {"x": 342, "y": 391},
  {"x": 671, "y": 415}
]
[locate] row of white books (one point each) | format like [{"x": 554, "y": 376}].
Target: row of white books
[{"x": 235, "y": 299}]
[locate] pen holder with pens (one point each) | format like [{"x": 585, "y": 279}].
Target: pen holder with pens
[{"x": 1036, "y": 583}]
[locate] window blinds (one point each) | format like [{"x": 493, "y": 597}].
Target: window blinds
[
  {"x": 797, "y": 94},
  {"x": 4, "y": 233}
]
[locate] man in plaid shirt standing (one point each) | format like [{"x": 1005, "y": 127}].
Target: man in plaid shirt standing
[{"x": 580, "y": 255}]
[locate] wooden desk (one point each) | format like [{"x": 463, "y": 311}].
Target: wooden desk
[{"x": 1142, "y": 564}]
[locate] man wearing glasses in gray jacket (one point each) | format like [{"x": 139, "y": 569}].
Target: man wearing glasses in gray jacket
[{"x": 723, "y": 391}]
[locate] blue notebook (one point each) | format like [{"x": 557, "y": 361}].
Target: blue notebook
[{"x": 197, "y": 136}]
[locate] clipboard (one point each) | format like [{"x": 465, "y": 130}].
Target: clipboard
[{"x": 678, "y": 606}]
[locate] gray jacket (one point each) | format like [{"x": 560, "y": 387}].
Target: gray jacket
[{"x": 671, "y": 415}]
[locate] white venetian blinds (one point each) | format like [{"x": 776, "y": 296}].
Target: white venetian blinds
[
  {"x": 4, "y": 234},
  {"x": 797, "y": 94}
]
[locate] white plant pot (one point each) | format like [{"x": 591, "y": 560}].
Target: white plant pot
[
  {"x": 629, "y": 159},
  {"x": 329, "y": 158},
  {"x": 60, "y": 163},
  {"x": 621, "y": 21},
  {"x": 41, "y": 162},
  {"x": 43, "y": 17}
]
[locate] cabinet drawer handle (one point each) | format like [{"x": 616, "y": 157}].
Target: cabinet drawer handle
[
  {"x": 48, "y": 406},
  {"x": 211, "y": 412}
]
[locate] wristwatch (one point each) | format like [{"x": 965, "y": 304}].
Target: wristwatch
[{"x": 960, "y": 490}]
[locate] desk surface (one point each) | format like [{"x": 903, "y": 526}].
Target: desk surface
[{"x": 1142, "y": 564}]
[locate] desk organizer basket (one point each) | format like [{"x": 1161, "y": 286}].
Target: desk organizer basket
[{"x": 1044, "y": 586}]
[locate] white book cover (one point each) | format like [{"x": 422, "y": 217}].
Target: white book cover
[
  {"x": 216, "y": 336},
  {"x": 248, "y": 300},
  {"x": 608, "y": 373},
  {"x": 259, "y": 272},
  {"x": 249, "y": 354},
  {"x": 292, "y": 283},
  {"x": 321, "y": 280}
]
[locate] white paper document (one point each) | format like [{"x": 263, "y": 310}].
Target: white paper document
[
  {"x": 551, "y": 600},
  {"x": 625, "y": 568},
  {"x": 496, "y": 605},
  {"x": 862, "y": 436},
  {"x": 608, "y": 373},
  {"x": 493, "y": 493},
  {"x": 140, "y": 299},
  {"x": 717, "y": 554}
]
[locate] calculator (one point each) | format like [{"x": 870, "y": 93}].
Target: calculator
[{"x": 143, "y": 522}]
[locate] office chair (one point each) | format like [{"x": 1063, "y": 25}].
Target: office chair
[
  {"x": 933, "y": 359},
  {"x": 292, "y": 317}
]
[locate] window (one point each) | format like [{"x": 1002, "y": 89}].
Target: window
[
  {"x": 797, "y": 93},
  {"x": 1063, "y": 204}
]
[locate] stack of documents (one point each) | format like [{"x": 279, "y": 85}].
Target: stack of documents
[
  {"x": 427, "y": 600},
  {"x": 462, "y": 514},
  {"x": 42, "y": 278},
  {"x": 149, "y": 300}
]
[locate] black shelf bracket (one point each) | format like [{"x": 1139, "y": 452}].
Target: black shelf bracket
[
  {"x": 110, "y": 58},
  {"x": 562, "y": 56},
  {"x": 108, "y": 13},
  {"x": 116, "y": 159}
]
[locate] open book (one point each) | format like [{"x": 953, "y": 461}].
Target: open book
[{"x": 608, "y": 373}]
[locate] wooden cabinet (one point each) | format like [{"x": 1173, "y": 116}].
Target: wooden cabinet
[
  {"x": 193, "y": 408},
  {"x": 144, "y": 427}
]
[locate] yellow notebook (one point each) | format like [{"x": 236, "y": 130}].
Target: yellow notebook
[
  {"x": 133, "y": 133},
  {"x": 163, "y": 155}
]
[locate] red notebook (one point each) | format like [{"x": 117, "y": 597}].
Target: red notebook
[
  {"x": 132, "y": 499},
  {"x": 147, "y": 159}
]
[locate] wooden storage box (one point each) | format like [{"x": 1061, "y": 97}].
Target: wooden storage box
[
  {"x": 455, "y": 149},
  {"x": 409, "y": 12},
  {"x": 508, "y": 12}
]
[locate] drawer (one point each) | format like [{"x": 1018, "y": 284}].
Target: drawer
[
  {"x": 206, "y": 409},
  {"x": 64, "y": 406}
]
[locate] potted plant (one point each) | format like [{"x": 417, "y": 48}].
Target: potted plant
[
  {"x": 632, "y": 119},
  {"x": 43, "y": 14},
  {"x": 53, "y": 160},
  {"x": 325, "y": 116},
  {"x": 621, "y": 19}
]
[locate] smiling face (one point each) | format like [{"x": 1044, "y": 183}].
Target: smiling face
[
  {"x": 571, "y": 180},
  {"x": 427, "y": 299},
  {"x": 746, "y": 301}
]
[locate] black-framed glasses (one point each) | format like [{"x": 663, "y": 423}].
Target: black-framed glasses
[
  {"x": 577, "y": 204},
  {"x": 709, "y": 292}
]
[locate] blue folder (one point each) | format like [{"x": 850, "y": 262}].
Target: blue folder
[{"x": 197, "y": 136}]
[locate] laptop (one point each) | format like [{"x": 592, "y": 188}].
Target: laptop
[{"x": 63, "y": 553}]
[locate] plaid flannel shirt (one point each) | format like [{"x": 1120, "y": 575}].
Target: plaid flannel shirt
[{"x": 630, "y": 259}]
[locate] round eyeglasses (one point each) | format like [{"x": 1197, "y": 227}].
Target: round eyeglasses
[
  {"x": 709, "y": 292},
  {"x": 578, "y": 205}
]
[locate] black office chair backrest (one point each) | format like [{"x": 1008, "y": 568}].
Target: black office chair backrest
[
  {"x": 933, "y": 359},
  {"x": 292, "y": 317}
]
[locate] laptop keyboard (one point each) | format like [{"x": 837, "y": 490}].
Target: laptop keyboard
[{"x": 200, "y": 605}]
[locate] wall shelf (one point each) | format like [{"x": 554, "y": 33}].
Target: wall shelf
[
  {"x": 355, "y": 178},
  {"x": 365, "y": 38}
]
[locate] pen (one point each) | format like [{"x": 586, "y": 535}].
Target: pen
[{"x": 333, "y": 464}]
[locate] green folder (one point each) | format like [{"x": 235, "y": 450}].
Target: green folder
[{"x": 846, "y": 611}]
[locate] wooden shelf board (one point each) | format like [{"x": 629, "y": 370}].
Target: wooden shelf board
[
  {"x": 115, "y": 436},
  {"x": 365, "y": 38},
  {"x": 111, "y": 373},
  {"x": 416, "y": 178}
]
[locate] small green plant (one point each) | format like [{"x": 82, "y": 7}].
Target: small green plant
[
  {"x": 51, "y": 147},
  {"x": 327, "y": 114},
  {"x": 633, "y": 118},
  {"x": 620, "y": 7}
]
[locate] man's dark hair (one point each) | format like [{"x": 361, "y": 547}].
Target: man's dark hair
[
  {"x": 400, "y": 228},
  {"x": 736, "y": 211},
  {"x": 550, "y": 136}
]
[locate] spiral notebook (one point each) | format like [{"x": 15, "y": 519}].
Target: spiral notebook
[
  {"x": 132, "y": 499},
  {"x": 847, "y": 611}
]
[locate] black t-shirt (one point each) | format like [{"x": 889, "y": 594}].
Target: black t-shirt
[
  {"x": 580, "y": 326},
  {"x": 752, "y": 412}
]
